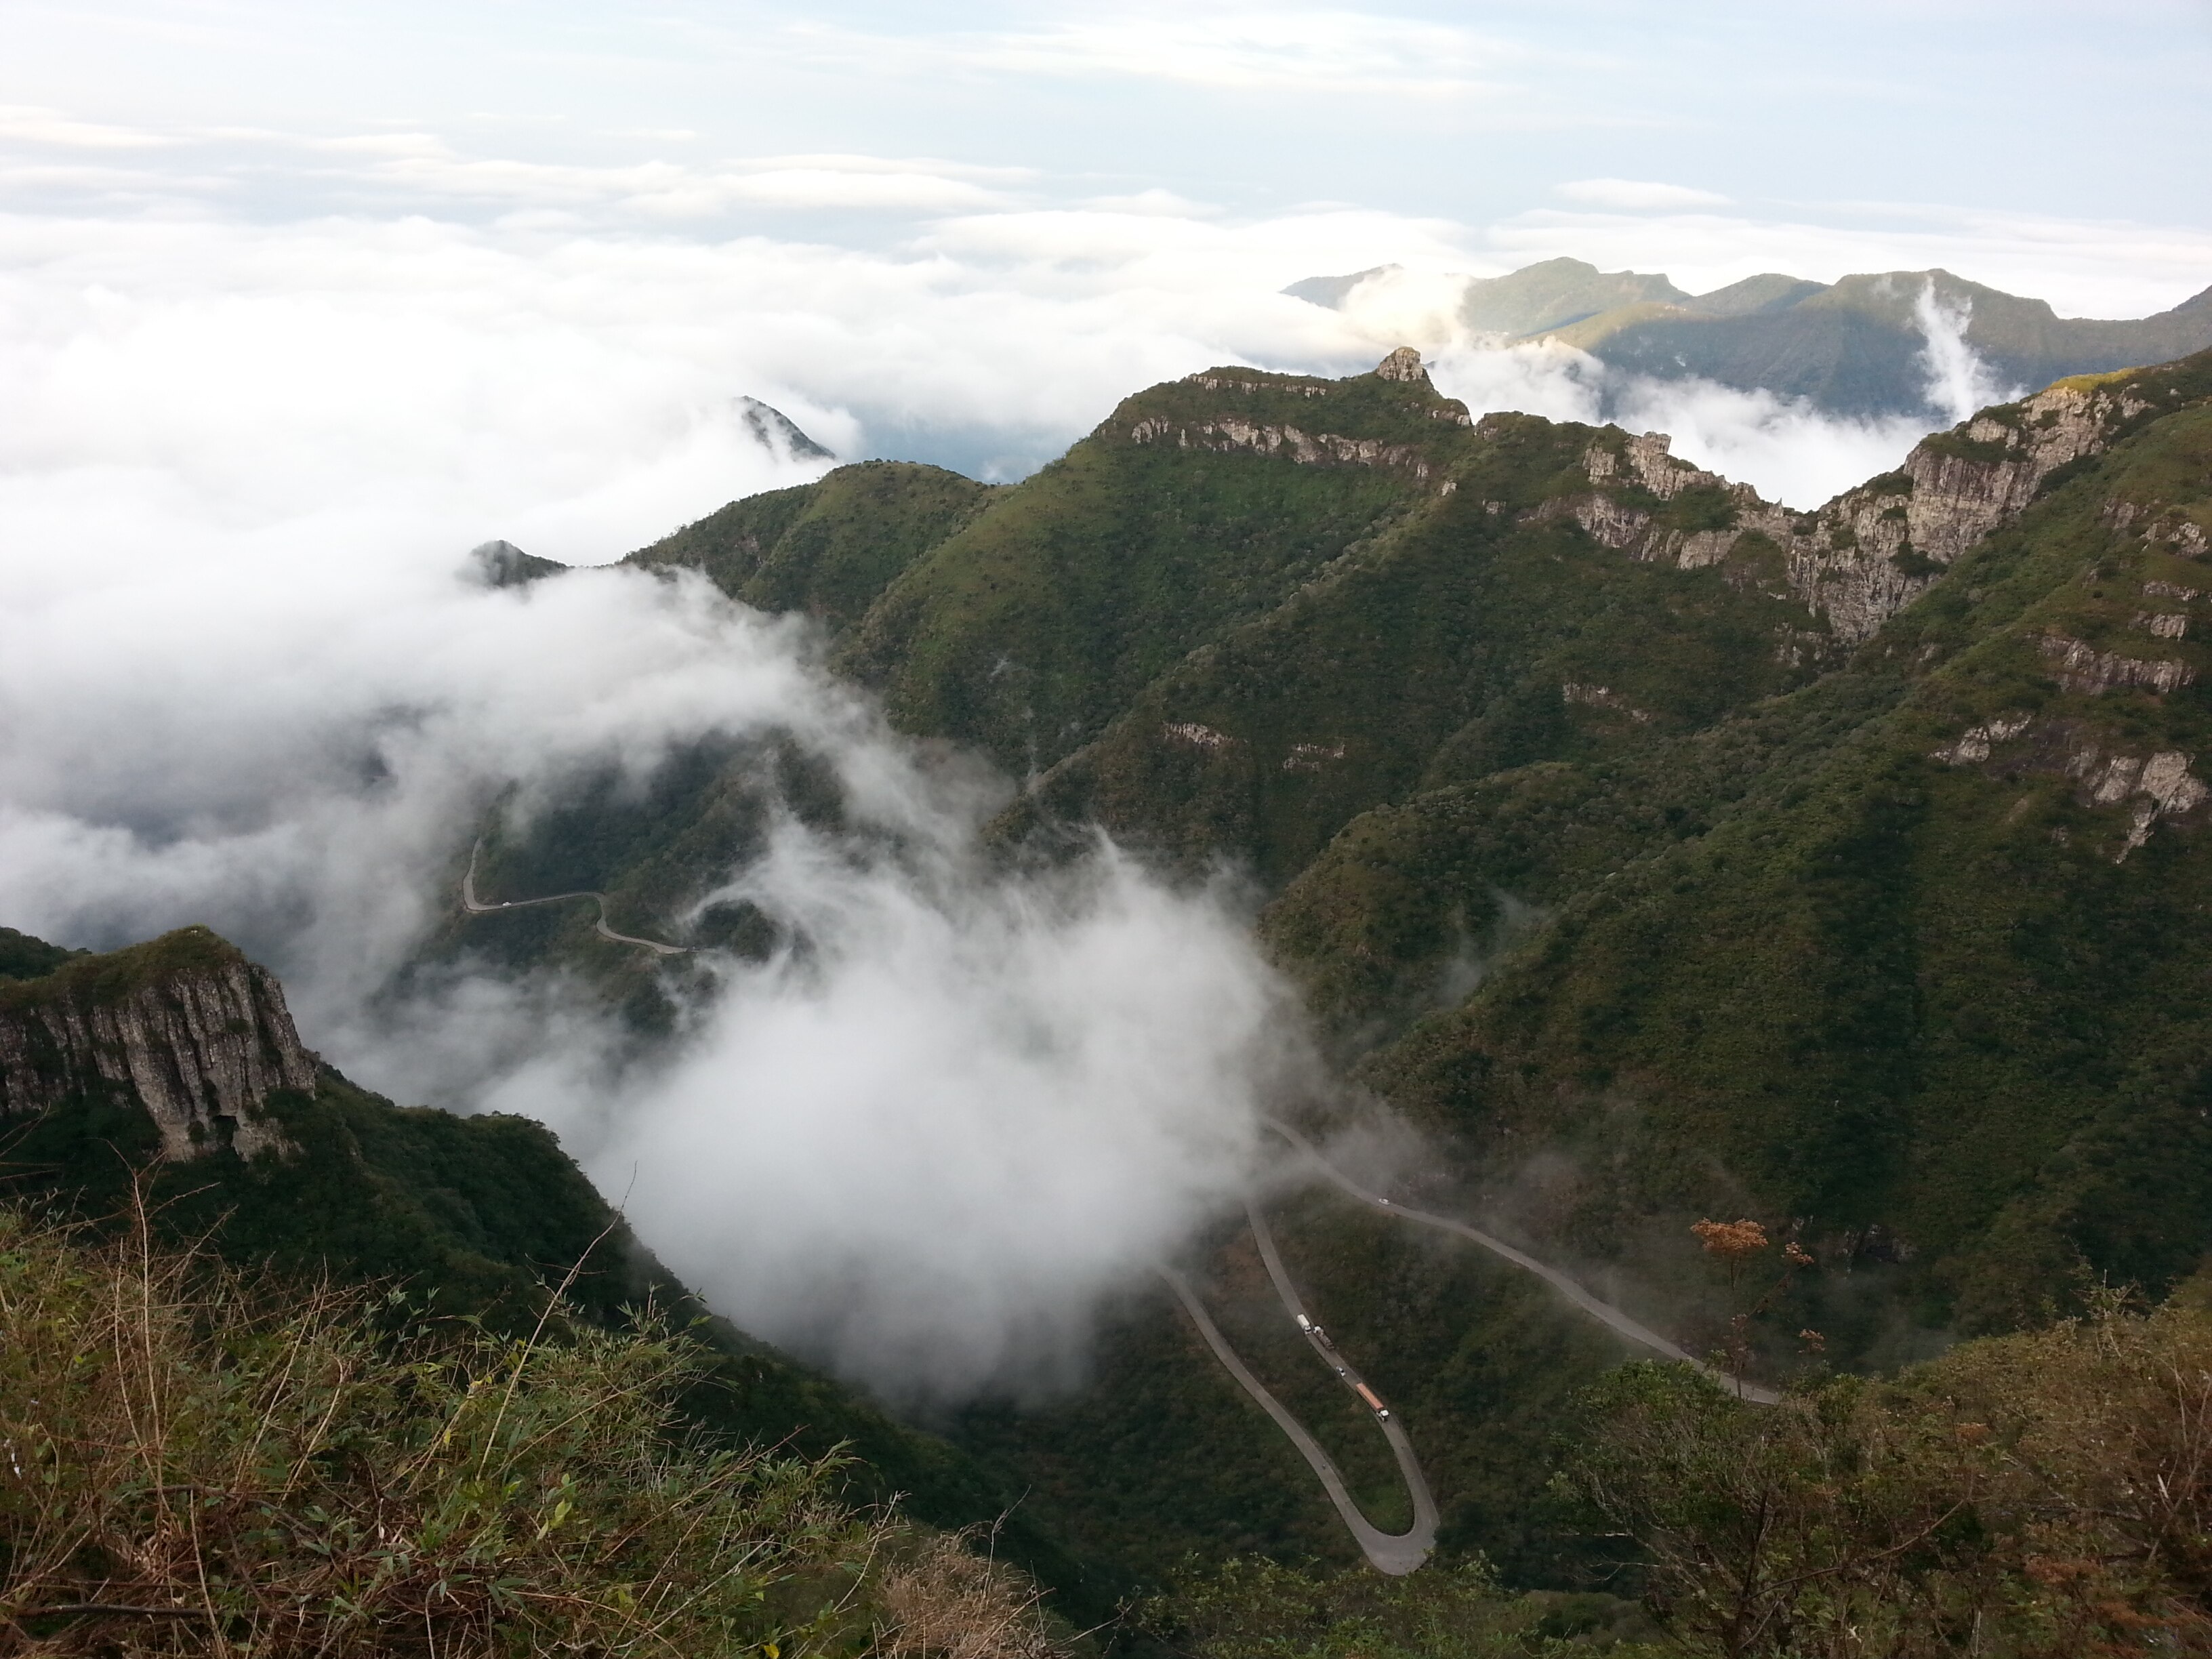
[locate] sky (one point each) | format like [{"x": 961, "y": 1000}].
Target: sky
[
  {"x": 299, "y": 303},
  {"x": 961, "y": 234}
]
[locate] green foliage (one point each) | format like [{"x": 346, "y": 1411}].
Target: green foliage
[
  {"x": 1028, "y": 630},
  {"x": 1959, "y": 447},
  {"x": 200, "y": 1462},
  {"x": 1442, "y": 650},
  {"x": 2036, "y": 1495},
  {"x": 476, "y": 1216},
  {"x": 23, "y": 957},
  {"x": 827, "y": 548},
  {"x": 1738, "y": 941},
  {"x": 1701, "y": 507},
  {"x": 1796, "y": 957},
  {"x": 1163, "y": 1456},
  {"x": 91, "y": 981},
  {"x": 1252, "y": 1607}
]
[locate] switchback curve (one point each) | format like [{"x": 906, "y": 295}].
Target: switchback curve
[
  {"x": 1625, "y": 1324},
  {"x": 474, "y": 907}
]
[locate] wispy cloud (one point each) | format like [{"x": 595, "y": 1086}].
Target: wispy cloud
[
  {"x": 1636, "y": 193},
  {"x": 1343, "y": 52},
  {"x": 426, "y": 165},
  {"x": 25, "y": 123}
]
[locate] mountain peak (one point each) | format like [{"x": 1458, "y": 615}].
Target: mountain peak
[
  {"x": 778, "y": 433},
  {"x": 1403, "y": 364}
]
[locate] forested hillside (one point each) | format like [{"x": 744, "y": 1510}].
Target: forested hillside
[
  {"x": 1663, "y": 853},
  {"x": 1658, "y": 852}
]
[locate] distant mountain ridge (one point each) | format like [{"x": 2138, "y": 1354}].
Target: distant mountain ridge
[{"x": 1852, "y": 347}]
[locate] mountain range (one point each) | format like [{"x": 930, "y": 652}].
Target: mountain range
[
  {"x": 1656, "y": 852},
  {"x": 1853, "y": 347}
]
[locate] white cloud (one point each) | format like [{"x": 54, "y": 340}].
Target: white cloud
[
  {"x": 29, "y": 125},
  {"x": 240, "y": 457},
  {"x": 425, "y": 164},
  {"x": 1300, "y": 49},
  {"x": 919, "y": 1143},
  {"x": 1634, "y": 194}
]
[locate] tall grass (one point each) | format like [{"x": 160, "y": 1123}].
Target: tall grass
[{"x": 194, "y": 1460}]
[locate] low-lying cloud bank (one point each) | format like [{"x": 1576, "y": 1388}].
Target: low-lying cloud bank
[
  {"x": 241, "y": 683},
  {"x": 919, "y": 1142},
  {"x": 1788, "y": 450}
]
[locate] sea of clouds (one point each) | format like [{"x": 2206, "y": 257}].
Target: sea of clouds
[{"x": 246, "y": 680}]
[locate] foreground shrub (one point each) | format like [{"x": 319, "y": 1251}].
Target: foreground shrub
[
  {"x": 2044, "y": 1494},
  {"x": 1251, "y": 1608},
  {"x": 194, "y": 1462}
]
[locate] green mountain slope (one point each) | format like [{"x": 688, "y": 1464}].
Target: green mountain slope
[
  {"x": 1194, "y": 506},
  {"x": 828, "y": 548},
  {"x": 1664, "y": 853},
  {"x": 1937, "y": 981}
]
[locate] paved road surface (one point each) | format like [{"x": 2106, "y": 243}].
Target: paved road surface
[
  {"x": 1639, "y": 1334},
  {"x": 469, "y": 903},
  {"x": 1396, "y": 1556},
  {"x": 1412, "y": 1546}
]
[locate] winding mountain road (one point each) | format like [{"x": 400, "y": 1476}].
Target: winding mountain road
[
  {"x": 1643, "y": 1335},
  {"x": 1397, "y": 1554},
  {"x": 474, "y": 907}
]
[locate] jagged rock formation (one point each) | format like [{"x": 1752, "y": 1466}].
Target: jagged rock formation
[
  {"x": 1870, "y": 552},
  {"x": 1229, "y": 433},
  {"x": 186, "y": 1024}
]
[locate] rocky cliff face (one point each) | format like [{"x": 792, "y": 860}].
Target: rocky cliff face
[
  {"x": 1870, "y": 552},
  {"x": 1224, "y": 433},
  {"x": 198, "y": 1035}
]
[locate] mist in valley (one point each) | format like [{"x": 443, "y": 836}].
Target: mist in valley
[{"x": 247, "y": 678}]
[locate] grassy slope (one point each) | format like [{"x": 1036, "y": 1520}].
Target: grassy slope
[
  {"x": 1439, "y": 650},
  {"x": 480, "y": 1214},
  {"x": 1029, "y": 629}
]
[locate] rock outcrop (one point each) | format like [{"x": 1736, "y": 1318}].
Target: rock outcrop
[
  {"x": 1868, "y": 554},
  {"x": 2105, "y": 771},
  {"x": 1306, "y": 448},
  {"x": 184, "y": 1024}
]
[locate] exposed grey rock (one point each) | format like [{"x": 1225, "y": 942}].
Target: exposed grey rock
[
  {"x": 2083, "y": 667},
  {"x": 1870, "y": 552},
  {"x": 202, "y": 1048},
  {"x": 1403, "y": 364},
  {"x": 1307, "y": 448}
]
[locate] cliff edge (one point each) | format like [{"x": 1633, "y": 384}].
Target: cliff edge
[{"x": 199, "y": 1036}]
